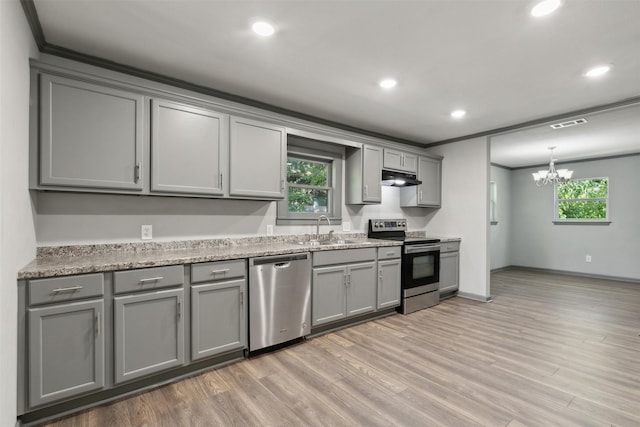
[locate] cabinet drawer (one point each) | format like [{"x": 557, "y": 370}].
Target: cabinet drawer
[
  {"x": 449, "y": 246},
  {"x": 389, "y": 252},
  {"x": 343, "y": 256},
  {"x": 68, "y": 288},
  {"x": 146, "y": 279},
  {"x": 214, "y": 271}
]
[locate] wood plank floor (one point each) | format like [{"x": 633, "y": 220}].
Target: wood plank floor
[{"x": 551, "y": 350}]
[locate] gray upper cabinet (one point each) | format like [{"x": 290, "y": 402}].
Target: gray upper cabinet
[
  {"x": 363, "y": 173},
  {"x": 188, "y": 149},
  {"x": 427, "y": 194},
  {"x": 66, "y": 351},
  {"x": 258, "y": 154},
  {"x": 148, "y": 333},
  {"x": 398, "y": 160},
  {"x": 91, "y": 136}
]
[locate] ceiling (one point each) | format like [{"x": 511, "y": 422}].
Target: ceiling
[
  {"x": 490, "y": 58},
  {"x": 606, "y": 133}
]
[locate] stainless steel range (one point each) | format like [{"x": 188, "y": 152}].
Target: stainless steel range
[{"x": 420, "y": 264}]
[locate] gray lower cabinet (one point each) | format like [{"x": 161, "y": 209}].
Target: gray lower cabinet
[
  {"x": 148, "y": 333},
  {"x": 257, "y": 159},
  {"x": 389, "y": 283},
  {"x": 361, "y": 288},
  {"x": 363, "y": 175},
  {"x": 449, "y": 268},
  {"x": 91, "y": 136},
  {"x": 66, "y": 351},
  {"x": 345, "y": 290},
  {"x": 218, "y": 318},
  {"x": 188, "y": 149},
  {"x": 429, "y": 193}
]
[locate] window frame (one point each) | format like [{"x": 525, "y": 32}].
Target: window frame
[
  {"x": 318, "y": 151},
  {"x": 583, "y": 221}
]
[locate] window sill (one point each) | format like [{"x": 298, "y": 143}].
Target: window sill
[
  {"x": 306, "y": 221},
  {"x": 580, "y": 222}
]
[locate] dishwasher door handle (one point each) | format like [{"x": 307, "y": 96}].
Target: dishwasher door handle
[{"x": 282, "y": 265}]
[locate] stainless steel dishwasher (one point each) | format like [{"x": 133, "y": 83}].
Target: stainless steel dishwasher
[{"x": 279, "y": 299}]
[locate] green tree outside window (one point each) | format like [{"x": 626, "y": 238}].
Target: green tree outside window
[{"x": 583, "y": 199}]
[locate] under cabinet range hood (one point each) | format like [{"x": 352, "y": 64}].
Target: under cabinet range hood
[{"x": 398, "y": 179}]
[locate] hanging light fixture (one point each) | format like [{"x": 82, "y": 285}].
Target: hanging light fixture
[{"x": 552, "y": 175}]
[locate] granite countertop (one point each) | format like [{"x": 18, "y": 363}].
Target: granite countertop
[{"x": 69, "y": 260}]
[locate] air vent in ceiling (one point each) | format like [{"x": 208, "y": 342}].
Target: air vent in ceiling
[{"x": 568, "y": 124}]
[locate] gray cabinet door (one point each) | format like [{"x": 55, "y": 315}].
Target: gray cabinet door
[
  {"x": 188, "y": 149},
  {"x": 429, "y": 192},
  {"x": 148, "y": 334},
  {"x": 90, "y": 135},
  {"x": 328, "y": 295},
  {"x": 398, "y": 160},
  {"x": 449, "y": 264},
  {"x": 257, "y": 158},
  {"x": 372, "y": 174},
  {"x": 389, "y": 283},
  {"x": 218, "y": 318},
  {"x": 361, "y": 288},
  {"x": 66, "y": 351}
]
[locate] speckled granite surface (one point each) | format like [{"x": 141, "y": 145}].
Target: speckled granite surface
[{"x": 68, "y": 260}]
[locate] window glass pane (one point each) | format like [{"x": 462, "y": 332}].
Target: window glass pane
[
  {"x": 308, "y": 200},
  {"x": 583, "y": 189},
  {"x": 587, "y": 209},
  {"x": 307, "y": 172}
]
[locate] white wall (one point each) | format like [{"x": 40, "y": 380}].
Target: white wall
[
  {"x": 82, "y": 218},
  {"x": 17, "y": 231},
  {"x": 500, "y": 233},
  {"x": 464, "y": 211},
  {"x": 615, "y": 249}
]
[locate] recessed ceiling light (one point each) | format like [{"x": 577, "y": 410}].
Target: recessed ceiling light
[
  {"x": 545, "y": 7},
  {"x": 458, "y": 114},
  {"x": 388, "y": 83},
  {"x": 263, "y": 28},
  {"x": 598, "y": 71}
]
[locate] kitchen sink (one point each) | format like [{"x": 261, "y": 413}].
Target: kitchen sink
[{"x": 329, "y": 242}]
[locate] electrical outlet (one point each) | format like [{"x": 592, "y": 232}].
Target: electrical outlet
[
  {"x": 269, "y": 229},
  {"x": 146, "y": 232},
  {"x": 588, "y": 259},
  {"x": 346, "y": 226}
]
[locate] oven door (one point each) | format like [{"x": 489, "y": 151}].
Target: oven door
[{"x": 420, "y": 265}]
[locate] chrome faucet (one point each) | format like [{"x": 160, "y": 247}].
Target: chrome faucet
[{"x": 318, "y": 226}]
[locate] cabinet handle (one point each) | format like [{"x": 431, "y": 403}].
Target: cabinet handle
[
  {"x": 98, "y": 323},
  {"x": 241, "y": 299},
  {"x": 179, "y": 307},
  {"x": 420, "y": 198},
  {"x": 344, "y": 280},
  {"x": 151, "y": 279},
  {"x": 366, "y": 190},
  {"x": 402, "y": 159},
  {"x": 223, "y": 270},
  {"x": 349, "y": 279},
  {"x": 220, "y": 180},
  {"x": 282, "y": 184},
  {"x": 69, "y": 289},
  {"x": 136, "y": 172},
  {"x": 390, "y": 253}
]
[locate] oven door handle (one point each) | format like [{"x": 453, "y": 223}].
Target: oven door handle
[{"x": 412, "y": 249}]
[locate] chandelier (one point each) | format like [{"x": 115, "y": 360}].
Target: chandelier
[{"x": 552, "y": 175}]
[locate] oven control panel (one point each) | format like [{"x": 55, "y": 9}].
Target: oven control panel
[{"x": 388, "y": 225}]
